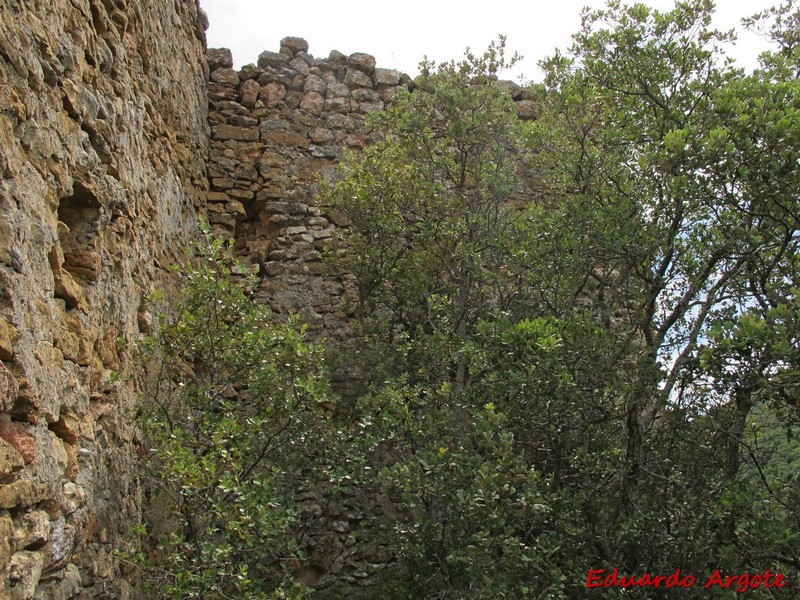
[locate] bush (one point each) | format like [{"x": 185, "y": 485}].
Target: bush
[{"x": 231, "y": 420}]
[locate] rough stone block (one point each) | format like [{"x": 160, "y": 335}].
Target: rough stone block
[
  {"x": 385, "y": 78},
  {"x": 337, "y": 105},
  {"x": 337, "y": 58},
  {"x": 299, "y": 65},
  {"x": 31, "y": 530},
  {"x": 230, "y": 132},
  {"x": 313, "y": 103},
  {"x": 8, "y": 334},
  {"x": 287, "y": 208},
  {"x": 315, "y": 84},
  {"x": 22, "y": 493},
  {"x": 362, "y": 61},
  {"x": 219, "y": 58},
  {"x": 64, "y": 585},
  {"x": 320, "y": 135},
  {"x": 293, "y": 99},
  {"x": 295, "y": 44},
  {"x": 365, "y": 95},
  {"x": 24, "y": 571},
  {"x": 59, "y": 545},
  {"x": 217, "y": 197},
  {"x": 338, "y": 90},
  {"x": 225, "y": 77},
  {"x": 9, "y": 388},
  {"x": 67, "y": 427},
  {"x": 6, "y": 534},
  {"x": 355, "y": 78},
  {"x": 273, "y": 60},
  {"x": 249, "y": 93},
  {"x": 83, "y": 263},
  {"x": 285, "y": 138},
  {"x": 10, "y": 459},
  {"x": 22, "y": 441}
]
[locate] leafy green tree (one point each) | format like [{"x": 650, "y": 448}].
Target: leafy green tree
[
  {"x": 430, "y": 204},
  {"x": 232, "y": 421},
  {"x": 679, "y": 174}
]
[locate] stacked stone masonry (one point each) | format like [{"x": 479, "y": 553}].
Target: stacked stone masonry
[
  {"x": 103, "y": 145},
  {"x": 278, "y": 128}
]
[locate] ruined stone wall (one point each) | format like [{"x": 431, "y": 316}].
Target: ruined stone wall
[
  {"x": 103, "y": 139},
  {"x": 112, "y": 131},
  {"x": 277, "y": 127}
]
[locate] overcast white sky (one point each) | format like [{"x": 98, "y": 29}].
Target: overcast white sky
[{"x": 398, "y": 34}]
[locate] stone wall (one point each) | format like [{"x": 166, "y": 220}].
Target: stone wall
[
  {"x": 277, "y": 129},
  {"x": 103, "y": 140}
]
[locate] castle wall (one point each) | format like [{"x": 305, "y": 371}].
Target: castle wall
[
  {"x": 103, "y": 140},
  {"x": 278, "y": 129}
]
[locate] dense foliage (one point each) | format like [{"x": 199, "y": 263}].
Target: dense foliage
[{"x": 570, "y": 323}]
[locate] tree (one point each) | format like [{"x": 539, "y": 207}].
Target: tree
[
  {"x": 430, "y": 204},
  {"x": 232, "y": 420},
  {"x": 686, "y": 170}
]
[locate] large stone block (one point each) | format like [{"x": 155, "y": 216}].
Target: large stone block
[
  {"x": 230, "y": 132},
  {"x": 24, "y": 571},
  {"x": 219, "y": 58},
  {"x": 22, "y": 493}
]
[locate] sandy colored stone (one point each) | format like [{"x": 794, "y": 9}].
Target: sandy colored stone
[
  {"x": 22, "y": 493},
  {"x": 8, "y": 334},
  {"x": 231, "y": 132},
  {"x": 24, "y": 571},
  {"x": 83, "y": 263},
  {"x": 10, "y": 459},
  {"x": 9, "y": 388},
  {"x": 285, "y": 138},
  {"x": 104, "y": 129},
  {"x": 67, "y": 427},
  {"x": 31, "y": 530},
  {"x": 6, "y": 534}
]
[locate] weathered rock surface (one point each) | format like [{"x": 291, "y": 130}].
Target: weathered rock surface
[{"x": 103, "y": 144}]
